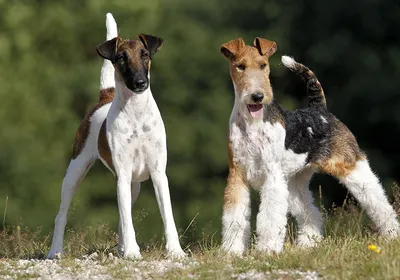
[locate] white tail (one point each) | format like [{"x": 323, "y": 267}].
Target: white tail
[
  {"x": 107, "y": 70},
  {"x": 111, "y": 25},
  {"x": 288, "y": 61}
]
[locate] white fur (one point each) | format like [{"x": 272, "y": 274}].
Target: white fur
[
  {"x": 136, "y": 134},
  {"x": 137, "y": 140},
  {"x": 236, "y": 224},
  {"x": 76, "y": 171},
  {"x": 288, "y": 61},
  {"x": 267, "y": 165},
  {"x": 107, "y": 70},
  {"x": 301, "y": 206},
  {"x": 79, "y": 166},
  {"x": 323, "y": 119},
  {"x": 366, "y": 188}
]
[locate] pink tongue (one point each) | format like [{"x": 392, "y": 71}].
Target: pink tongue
[{"x": 256, "y": 110}]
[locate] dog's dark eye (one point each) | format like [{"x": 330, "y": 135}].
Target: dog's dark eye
[
  {"x": 145, "y": 54},
  {"x": 119, "y": 56},
  {"x": 262, "y": 66},
  {"x": 241, "y": 67}
]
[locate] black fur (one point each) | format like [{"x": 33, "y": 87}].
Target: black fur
[
  {"x": 301, "y": 140},
  {"x": 316, "y": 97},
  {"x": 297, "y": 123}
]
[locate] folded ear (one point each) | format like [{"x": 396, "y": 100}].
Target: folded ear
[
  {"x": 108, "y": 49},
  {"x": 231, "y": 49},
  {"x": 152, "y": 43},
  {"x": 264, "y": 46}
]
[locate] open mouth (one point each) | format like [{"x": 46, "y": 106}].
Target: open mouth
[{"x": 256, "y": 110}]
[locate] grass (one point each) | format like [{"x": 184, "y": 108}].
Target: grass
[{"x": 343, "y": 254}]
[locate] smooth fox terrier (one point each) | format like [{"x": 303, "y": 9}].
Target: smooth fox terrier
[
  {"x": 125, "y": 130},
  {"x": 276, "y": 152}
]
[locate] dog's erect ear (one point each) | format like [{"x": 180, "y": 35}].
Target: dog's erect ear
[
  {"x": 152, "y": 43},
  {"x": 108, "y": 49},
  {"x": 230, "y": 49},
  {"x": 264, "y": 46}
]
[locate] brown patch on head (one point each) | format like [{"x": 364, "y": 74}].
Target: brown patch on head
[
  {"x": 345, "y": 152},
  {"x": 104, "y": 147},
  {"x": 131, "y": 59},
  {"x": 249, "y": 68},
  {"x": 235, "y": 182},
  {"x": 106, "y": 96}
]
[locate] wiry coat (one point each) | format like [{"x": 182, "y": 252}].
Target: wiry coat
[{"x": 276, "y": 152}]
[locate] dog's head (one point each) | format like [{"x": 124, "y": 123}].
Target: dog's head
[
  {"x": 131, "y": 59},
  {"x": 249, "y": 69}
]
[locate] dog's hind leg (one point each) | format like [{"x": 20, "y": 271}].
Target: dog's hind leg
[
  {"x": 301, "y": 206},
  {"x": 84, "y": 154},
  {"x": 76, "y": 171},
  {"x": 366, "y": 188}
]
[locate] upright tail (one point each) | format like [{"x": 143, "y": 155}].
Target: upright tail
[
  {"x": 107, "y": 70},
  {"x": 316, "y": 97}
]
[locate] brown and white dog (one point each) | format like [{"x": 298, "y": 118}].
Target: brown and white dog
[
  {"x": 125, "y": 130},
  {"x": 276, "y": 152}
]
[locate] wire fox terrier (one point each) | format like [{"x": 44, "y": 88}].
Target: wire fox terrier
[
  {"x": 276, "y": 152},
  {"x": 126, "y": 132}
]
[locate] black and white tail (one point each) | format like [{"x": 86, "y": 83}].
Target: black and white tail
[
  {"x": 107, "y": 70},
  {"x": 316, "y": 97}
]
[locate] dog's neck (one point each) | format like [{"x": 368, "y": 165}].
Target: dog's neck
[
  {"x": 126, "y": 99},
  {"x": 241, "y": 117}
]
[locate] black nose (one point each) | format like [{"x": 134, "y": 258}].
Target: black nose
[
  {"x": 140, "y": 84},
  {"x": 257, "y": 97}
]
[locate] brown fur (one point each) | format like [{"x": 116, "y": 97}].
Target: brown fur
[
  {"x": 133, "y": 49},
  {"x": 345, "y": 152},
  {"x": 104, "y": 147},
  {"x": 235, "y": 182},
  {"x": 255, "y": 61},
  {"x": 106, "y": 96}
]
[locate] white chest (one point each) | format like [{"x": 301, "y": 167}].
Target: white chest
[
  {"x": 257, "y": 149},
  {"x": 137, "y": 140}
]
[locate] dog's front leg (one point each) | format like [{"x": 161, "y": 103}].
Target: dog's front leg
[
  {"x": 127, "y": 245},
  {"x": 161, "y": 189},
  {"x": 272, "y": 219},
  {"x": 236, "y": 215}
]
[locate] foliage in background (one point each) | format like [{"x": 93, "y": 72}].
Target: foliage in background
[{"x": 49, "y": 76}]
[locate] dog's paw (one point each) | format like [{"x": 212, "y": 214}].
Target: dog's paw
[
  {"x": 269, "y": 248},
  {"x": 233, "y": 251},
  {"x": 308, "y": 240},
  {"x": 177, "y": 253},
  {"x": 132, "y": 254},
  {"x": 54, "y": 255}
]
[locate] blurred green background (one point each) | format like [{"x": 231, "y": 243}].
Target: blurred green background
[{"x": 49, "y": 78}]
